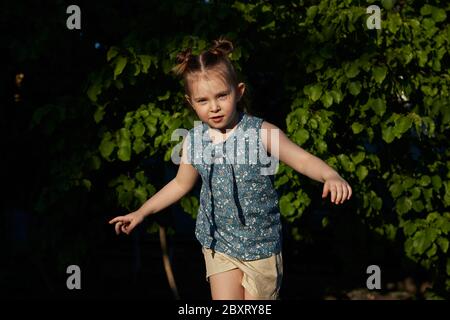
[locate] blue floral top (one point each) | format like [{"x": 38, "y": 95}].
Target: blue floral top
[{"x": 238, "y": 213}]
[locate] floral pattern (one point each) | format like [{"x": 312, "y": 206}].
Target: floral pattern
[{"x": 238, "y": 213}]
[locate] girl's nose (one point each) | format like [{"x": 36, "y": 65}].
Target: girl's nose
[{"x": 215, "y": 106}]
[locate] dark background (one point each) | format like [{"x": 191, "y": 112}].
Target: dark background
[{"x": 48, "y": 224}]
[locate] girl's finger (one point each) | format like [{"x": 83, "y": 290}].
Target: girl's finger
[
  {"x": 333, "y": 193},
  {"x": 114, "y": 220},
  {"x": 339, "y": 194},
  {"x": 117, "y": 227},
  {"x": 131, "y": 227},
  {"x": 325, "y": 190},
  {"x": 349, "y": 191},
  {"x": 344, "y": 193}
]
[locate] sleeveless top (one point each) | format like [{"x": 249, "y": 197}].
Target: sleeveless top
[{"x": 238, "y": 213}]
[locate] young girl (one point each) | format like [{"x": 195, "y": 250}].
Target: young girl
[{"x": 238, "y": 223}]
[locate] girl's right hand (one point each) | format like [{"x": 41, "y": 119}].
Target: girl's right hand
[{"x": 127, "y": 223}]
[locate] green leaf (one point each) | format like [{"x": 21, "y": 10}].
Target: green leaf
[
  {"x": 99, "y": 113},
  {"x": 346, "y": 163},
  {"x": 137, "y": 70},
  {"x": 421, "y": 241},
  {"x": 94, "y": 163},
  {"x": 141, "y": 193},
  {"x": 396, "y": 190},
  {"x": 437, "y": 182},
  {"x": 388, "y": 134},
  {"x": 415, "y": 193},
  {"x": 138, "y": 129},
  {"x": 124, "y": 152},
  {"x": 403, "y": 205},
  {"x": 402, "y": 124},
  {"x": 378, "y": 106},
  {"x": 94, "y": 90},
  {"x": 418, "y": 206},
  {"x": 87, "y": 184},
  {"x": 139, "y": 145},
  {"x": 314, "y": 92},
  {"x": 112, "y": 52},
  {"x": 121, "y": 62},
  {"x": 327, "y": 99},
  {"x": 408, "y": 182},
  {"x": 351, "y": 70},
  {"x": 443, "y": 244},
  {"x": 424, "y": 181},
  {"x": 379, "y": 73},
  {"x": 362, "y": 172},
  {"x": 394, "y": 23},
  {"x": 390, "y": 231},
  {"x": 165, "y": 96},
  {"x": 146, "y": 60},
  {"x": 281, "y": 180},
  {"x": 301, "y": 136},
  {"x": 190, "y": 205},
  {"x": 270, "y": 26},
  {"x": 106, "y": 146},
  {"x": 426, "y": 10},
  {"x": 311, "y": 12},
  {"x": 286, "y": 207},
  {"x": 337, "y": 96},
  {"x": 387, "y": 4},
  {"x": 410, "y": 228},
  {"x": 321, "y": 146},
  {"x": 358, "y": 157},
  {"x": 325, "y": 222},
  {"x": 357, "y": 127},
  {"x": 447, "y": 193},
  {"x": 432, "y": 251},
  {"x": 377, "y": 203},
  {"x": 438, "y": 14},
  {"x": 124, "y": 144},
  {"x": 354, "y": 87},
  {"x": 448, "y": 266}
]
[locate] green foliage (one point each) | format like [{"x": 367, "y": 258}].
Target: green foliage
[{"x": 390, "y": 88}]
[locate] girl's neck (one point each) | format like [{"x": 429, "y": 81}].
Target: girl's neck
[{"x": 218, "y": 135}]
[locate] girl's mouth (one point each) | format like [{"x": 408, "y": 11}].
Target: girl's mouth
[{"x": 217, "y": 119}]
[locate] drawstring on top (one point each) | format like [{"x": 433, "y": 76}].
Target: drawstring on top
[{"x": 230, "y": 173}]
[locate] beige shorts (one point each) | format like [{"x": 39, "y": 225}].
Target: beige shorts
[{"x": 262, "y": 277}]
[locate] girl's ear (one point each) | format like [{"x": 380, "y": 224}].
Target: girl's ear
[
  {"x": 188, "y": 99},
  {"x": 240, "y": 90}
]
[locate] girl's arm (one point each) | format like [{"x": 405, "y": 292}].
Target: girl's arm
[
  {"x": 172, "y": 192},
  {"x": 305, "y": 163}
]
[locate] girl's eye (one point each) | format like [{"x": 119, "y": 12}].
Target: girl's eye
[{"x": 223, "y": 96}]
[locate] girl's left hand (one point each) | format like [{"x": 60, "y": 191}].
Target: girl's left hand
[{"x": 339, "y": 188}]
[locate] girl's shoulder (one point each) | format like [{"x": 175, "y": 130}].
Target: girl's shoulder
[
  {"x": 253, "y": 121},
  {"x": 197, "y": 128}
]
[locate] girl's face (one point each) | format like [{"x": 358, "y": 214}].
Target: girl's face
[{"x": 214, "y": 101}]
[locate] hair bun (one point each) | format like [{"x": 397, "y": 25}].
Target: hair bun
[
  {"x": 182, "y": 60},
  {"x": 184, "y": 56},
  {"x": 222, "y": 46}
]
